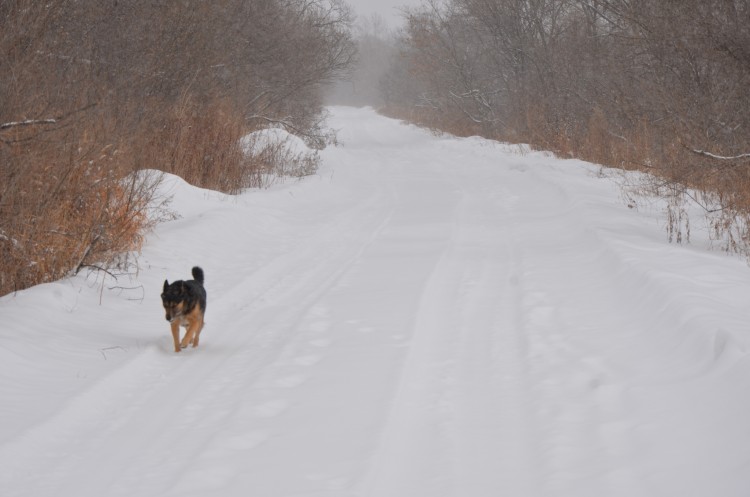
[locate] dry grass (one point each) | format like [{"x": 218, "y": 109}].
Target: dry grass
[
  {"x": 201, "y": 144},
  {"x": 68, "y": 202}
]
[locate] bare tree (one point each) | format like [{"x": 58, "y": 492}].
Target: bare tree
[
  {"x": 658, "y": 85},
  {"x": 92, "y": 92}
]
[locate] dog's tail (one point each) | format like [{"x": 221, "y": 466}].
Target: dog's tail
[{"x": 198, "y": 274}]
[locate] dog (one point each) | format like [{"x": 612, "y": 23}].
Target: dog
[{"x": 185, "y": 305}]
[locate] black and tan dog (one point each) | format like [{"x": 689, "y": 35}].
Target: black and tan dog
[{"x": 185, "y": 304}]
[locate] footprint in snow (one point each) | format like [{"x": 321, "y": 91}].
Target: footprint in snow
[
  {"x": 270, "y": 409},
  {"x": 319, "y": 326},
  {"x": 307, "y": 360},
  {"x": 291, "y": 381}
]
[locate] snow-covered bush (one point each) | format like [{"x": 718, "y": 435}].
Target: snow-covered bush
[{"x": 280, "y": 152}]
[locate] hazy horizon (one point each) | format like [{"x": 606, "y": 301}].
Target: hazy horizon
[{"x": 389, "y": 10}]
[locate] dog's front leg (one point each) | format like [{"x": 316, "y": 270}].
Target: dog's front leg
[{"x": 176, "y": 334}]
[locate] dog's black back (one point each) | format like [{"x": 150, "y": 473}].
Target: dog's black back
[{"x": 190, "y": 293}]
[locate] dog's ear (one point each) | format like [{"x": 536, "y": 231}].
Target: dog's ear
[{"x": 166, "y": 285}]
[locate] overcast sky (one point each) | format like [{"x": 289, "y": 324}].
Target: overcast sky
[{"x": 387, "y": 9}]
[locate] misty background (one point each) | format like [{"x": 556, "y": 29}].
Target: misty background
[{"x": 376, "y": 48}]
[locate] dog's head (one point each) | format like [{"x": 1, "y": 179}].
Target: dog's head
[{"x": 174, "y": 298}]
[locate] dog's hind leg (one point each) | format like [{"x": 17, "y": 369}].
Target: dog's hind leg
[
  {"x": 176, "y": 335},
  {"x": 198, "y": 334}
]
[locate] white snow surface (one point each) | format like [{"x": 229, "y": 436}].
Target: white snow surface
[
  {"x": 257, "y": 141},
  {"x": 427, "y": 316}
]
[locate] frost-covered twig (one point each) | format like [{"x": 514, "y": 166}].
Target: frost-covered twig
[
  {"x": 28, "y": 122},
  {"x": 720, "y": 157},
  {"x": 52, "y": 120}
]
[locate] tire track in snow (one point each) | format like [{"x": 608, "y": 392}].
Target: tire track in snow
[
  {"x": 480, "y": 401},
  {"x": 496, "y": 450},
  {"x": 462, "y": 408},
  {"x": 568, "y": 386}
]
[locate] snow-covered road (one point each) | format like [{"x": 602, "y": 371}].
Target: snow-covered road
[{"x": 428, "y": 316}]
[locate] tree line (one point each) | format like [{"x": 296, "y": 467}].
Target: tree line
[
  {"x": 656, "y": 85},
  {"x": 95, "y": 95}
]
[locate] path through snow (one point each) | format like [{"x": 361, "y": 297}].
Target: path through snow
[{"x": 428, "y": 316}]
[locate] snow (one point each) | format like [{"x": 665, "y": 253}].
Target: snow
[
  {"x": 427, "y": 316},
  {"x": 288, "y": 153},
  {"x": 257, "y": 141}
]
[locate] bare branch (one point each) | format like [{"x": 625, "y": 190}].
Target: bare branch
[
  {"x": 720, "y": 157},
  {"x": 28, "y": 122}
]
